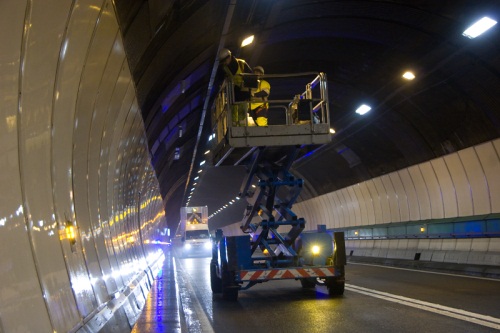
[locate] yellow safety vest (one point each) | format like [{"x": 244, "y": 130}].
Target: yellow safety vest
[
  {"x": 263, "y": 85},
  {"x": 236, "y": 78}
]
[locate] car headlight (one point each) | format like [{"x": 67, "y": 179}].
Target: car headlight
[
  {"x": 187, "y": 246},
  {"x": 207, "y": 245},
  {"x": 315, "y": 250}
]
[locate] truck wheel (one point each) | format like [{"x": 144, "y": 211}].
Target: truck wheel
[
  {"x": 307, "y": 283},
  {"x": 215, "y": 281},
  {"x": 229, "y": 288},
  {"x": 335, "y": 287}
]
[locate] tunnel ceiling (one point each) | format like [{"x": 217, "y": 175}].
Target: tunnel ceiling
[{"x": 363, "y": 46}]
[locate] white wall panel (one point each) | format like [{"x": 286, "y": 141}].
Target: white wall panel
[
  {"x": 383, "y": 199},
  {"x": 101, "y": 107},
  {"x": 377, "y": 206},
  {"x": 348, "y": 209},
  {"x": 490, "y": 163},
  {"x": 421, "y": 190},
  {"x": 450, "y": 204},
  {"x": 334, "y": 218},
  {"x": 20, "y": 292},
  {"x": 71, "y": 62},
  {"x": 464, "y": 245},
  {"x": 449, "y": 244},
  {"x": 87, "y": 216},
  {"x": 362, "y": 204},
  {"x": 412, "y": 244},
  {"x": 433, "y": 190},
  {"x": 42, "y": 48},
  {"x": 494, "y": 245},
  {"x": 368, "y": 203},
  {"x": 391, "y": 198},
  {"x": 323, "y": 210},
  {"x": 411, "y": 195},
  {"x": 424, "y": 244},
  {"x": 402, "y": 200},
  {"x": 435, "y": 244},
  {"x": 477, "y": 181},
  {"x": 480, "y": 244},
  {"x": 461, "y": 184},
  {"x": 331, "y": 210},
  {"x": 338, "y": 204},
  {"x": 354, "y": 203}
]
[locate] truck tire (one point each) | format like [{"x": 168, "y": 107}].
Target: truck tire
[
  {"x": 307, "y": 283},
  {"x": 229, "y": 288},
  {"x": 335, "y": 287},
  {"x": 215, "y": 281}
]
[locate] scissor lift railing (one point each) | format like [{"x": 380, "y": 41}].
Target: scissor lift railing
[{"x": 305, "y": 117}]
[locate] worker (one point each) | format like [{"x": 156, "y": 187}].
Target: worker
[
  {"x": 259, "y": 106},
  {"x": 233, "y": 68}
]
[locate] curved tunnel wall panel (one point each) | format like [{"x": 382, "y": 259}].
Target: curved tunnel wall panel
[
  {"x": 447, "y": 188},
  {"x": 18, "y": 279},
  {"x": 461, "y": 185},
  {"x": 411, "y": 195},
  {"x": 392, "y": 200},
  {"x": 401, "y": 198},
  {"x": 433, "y": 190},
  {"x": 73, "y": 152},
  {"x": 423, "y": 201},
  {"x": 476, "y": 180},
  {"x": 488, "y": 157},
  {"x": 42, "y": 41}
]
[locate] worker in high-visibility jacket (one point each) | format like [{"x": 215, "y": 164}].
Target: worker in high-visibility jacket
[
  {"x": 259, "y": 106},
  {"x": 233, "y": 68}
]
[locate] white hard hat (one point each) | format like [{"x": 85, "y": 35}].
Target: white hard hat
[
  {"x": 223, "y": 54},
  {"x": 258, "y": 69}
]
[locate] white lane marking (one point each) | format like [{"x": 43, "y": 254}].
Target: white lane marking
[
  {"x": 205, "y": 324},
  {"x": 428, "y": 272},
  {"x": 472, "y": 317}
]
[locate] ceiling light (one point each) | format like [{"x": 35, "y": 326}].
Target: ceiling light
[
  {"x": 247, "y": 41},
  {"x": 196, "y": 178},
  {"x": 363, "y": 109},
  {"x": 208, "y": 151},
  {"x": 332, "y": 131},
  {"x": 408, "y": 75},
  {"x": 479, "y": 27},
  {"x": 199, "y": 171},
  {"x": 202, "y": 162}
]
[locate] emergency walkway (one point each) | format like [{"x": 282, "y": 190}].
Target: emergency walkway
[{"x": 161, "y": 313}]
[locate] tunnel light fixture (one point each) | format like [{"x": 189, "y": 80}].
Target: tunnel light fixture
[
  {"x": 479, "y": 27},
  {"x": 199, "y": 171},
  {"x": 202, "y": 162},
  {"x": 408, "y": 75},
  {"x": 247, "y": 41},
  {"x": 332, "y": 131},
  {"x": 196, "y": 178},
  {"x": 363, "y": 109},
  {"x": 208, "y": 151}
]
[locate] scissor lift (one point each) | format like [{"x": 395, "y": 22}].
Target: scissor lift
[{"x": 264, "y": 254}]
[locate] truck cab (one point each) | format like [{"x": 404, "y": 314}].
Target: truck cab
[{"x": 196, "y": 241}]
